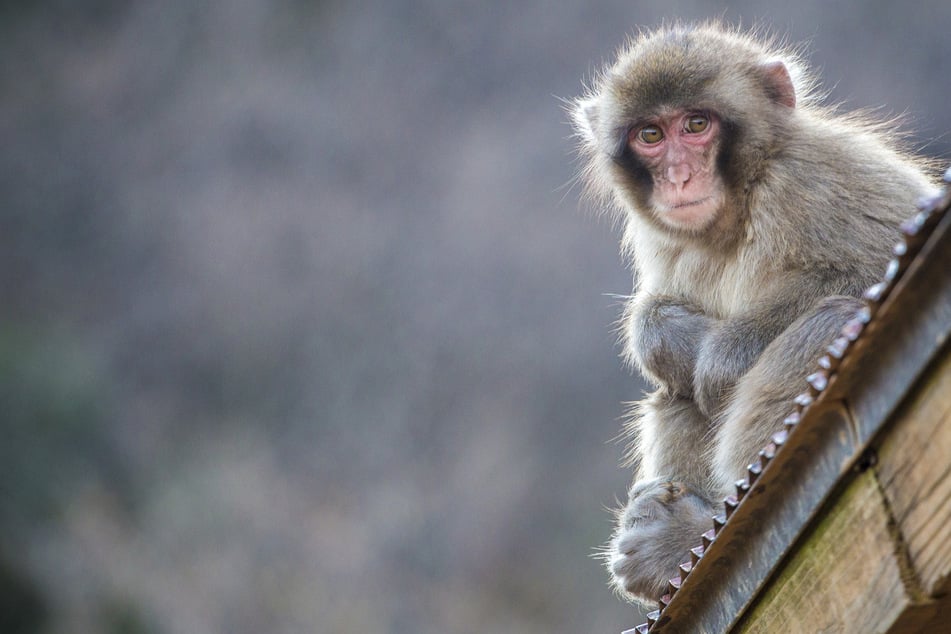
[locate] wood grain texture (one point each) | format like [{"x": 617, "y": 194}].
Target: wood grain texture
[
  {"x": 915, "y": 471},
  {"x": 847, "y": 577}
]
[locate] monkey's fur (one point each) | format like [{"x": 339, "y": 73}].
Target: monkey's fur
[{"x": 797, "y": 212}]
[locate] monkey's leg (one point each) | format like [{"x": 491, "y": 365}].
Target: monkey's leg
[
  {"x": 764, "y": 395},
  {"x": 668, "y": 436},
  {"x": 667, "y": 507}
]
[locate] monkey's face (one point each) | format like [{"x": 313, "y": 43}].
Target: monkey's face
[
  {"x": 678, "y": 149},
  {"x": 683, "y": 127}
]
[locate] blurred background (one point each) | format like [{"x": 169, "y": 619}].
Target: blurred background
[{"x": 302, "y": 325}]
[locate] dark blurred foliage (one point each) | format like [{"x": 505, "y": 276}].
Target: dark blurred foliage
[
  {"x": 302, "y": 329},
  {"x": 22, "y": 609}
]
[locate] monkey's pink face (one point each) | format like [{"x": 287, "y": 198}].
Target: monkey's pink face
[{"x": 679, "y": 150}]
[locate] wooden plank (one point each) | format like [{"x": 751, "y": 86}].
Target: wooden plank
[
  {"x": 915, "y": 471},
  {"x": 933, "y": 616},
  {"x": 847, "y": 576}
]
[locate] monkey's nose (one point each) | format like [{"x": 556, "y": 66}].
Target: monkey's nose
[{"x": 678, "y": 174}]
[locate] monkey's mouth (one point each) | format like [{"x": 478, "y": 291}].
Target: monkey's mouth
[
  {"x": 692, "y": 203},
  {"x": 692, "y": 215}
]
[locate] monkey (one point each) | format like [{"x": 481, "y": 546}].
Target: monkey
[{"x": 753, "y": 217}]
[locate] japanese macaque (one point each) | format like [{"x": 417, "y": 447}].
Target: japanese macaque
[{"x": 754, "y": 218}]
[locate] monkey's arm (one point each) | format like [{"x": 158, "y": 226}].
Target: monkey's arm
[
  {"x": 730, "y": 347},
  {"x": 666, "y": 334}
]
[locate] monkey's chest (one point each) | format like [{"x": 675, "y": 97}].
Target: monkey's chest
[{"x": 720, "y": 288}]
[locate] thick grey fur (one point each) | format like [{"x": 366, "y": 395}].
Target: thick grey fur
[{"x": 727, "y": 321}]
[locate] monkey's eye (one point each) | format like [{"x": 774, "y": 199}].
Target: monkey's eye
[
  {"x": 650, "y": 134},
  {"x": 696, "y": 124}
]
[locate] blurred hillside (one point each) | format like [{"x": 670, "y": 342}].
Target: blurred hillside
[{"x": 302, "y": 328}]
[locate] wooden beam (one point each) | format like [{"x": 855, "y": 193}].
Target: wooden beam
[
  {"x": 847, "y": 571},
  {"x": 915, "y": 472}
]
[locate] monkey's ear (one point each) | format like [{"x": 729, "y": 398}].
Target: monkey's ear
[
  {"x": 585, "y": 117},
  {"x": 779, "y": 83}
]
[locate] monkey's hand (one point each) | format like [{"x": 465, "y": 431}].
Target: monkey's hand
[
  {"x": 665, "y": 336},
  {"x": 719, "y": 366},
  {"x": 729, "y": 350},
  {"x": 662, "y": 521}
]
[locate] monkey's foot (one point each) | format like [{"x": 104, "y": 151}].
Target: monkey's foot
[{"x": 662, "y": 521}]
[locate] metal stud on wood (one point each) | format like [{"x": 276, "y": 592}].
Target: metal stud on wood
[
  {"x": 780, "y": 437},
  {"x": 803, "y": 400},
  {"x": 696, "y": 554},
  {"x": 673, "y": 585},
  {"x": 838, "y": 348},
  {"x": 818, "y": 380},
  {"x": 742, "y": 488},
  {"x": 791, "y": 421},
  {"x": 876, "y": 292},
  {"x": 892, "y": 270},
  {"x": 685, "y": 568},
  {"x": 730, "y": 503},
  {"x": 753, "y": 472},
  {"x": 718, "y": 522},
  {"x": 900, "y": 250}
]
